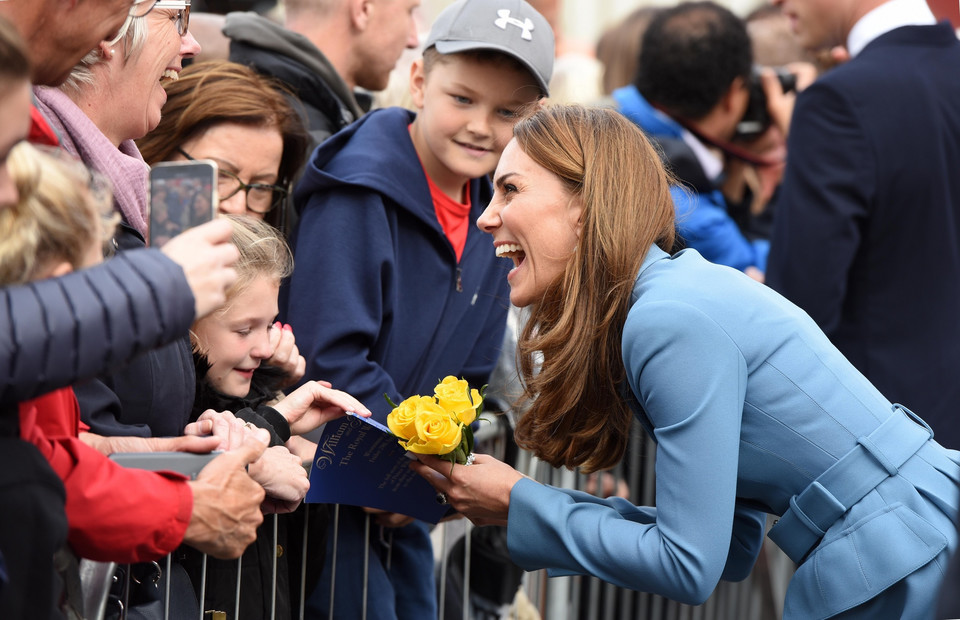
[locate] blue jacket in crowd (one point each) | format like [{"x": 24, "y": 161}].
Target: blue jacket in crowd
[{"x": 702, "y": 217}]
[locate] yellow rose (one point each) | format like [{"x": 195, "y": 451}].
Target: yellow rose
[
  {"x": 455, "y": 396},
  {"x": 402, "y": 420},
  {"x": 437, "y": 431}
]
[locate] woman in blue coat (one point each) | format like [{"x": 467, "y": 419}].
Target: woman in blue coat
[{"x": 753, "y": 410}]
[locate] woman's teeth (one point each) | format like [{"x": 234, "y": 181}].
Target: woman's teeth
[{"x": 507, "y": 248}]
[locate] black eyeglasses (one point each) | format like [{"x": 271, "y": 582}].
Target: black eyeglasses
[{"x": 260, "y": 197}]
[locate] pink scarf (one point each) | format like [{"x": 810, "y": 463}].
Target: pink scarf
[{"x": 124, "y": 166}]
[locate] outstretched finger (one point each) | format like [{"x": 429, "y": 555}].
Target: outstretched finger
[{"x": 436, "y": 470}]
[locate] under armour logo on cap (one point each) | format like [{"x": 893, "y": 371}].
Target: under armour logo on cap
[
  {"x": 526, "y": 25},
  {"x": 468, "y": 25}
]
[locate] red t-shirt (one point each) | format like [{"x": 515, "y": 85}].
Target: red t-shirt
[{"x": 454, "y": 217}]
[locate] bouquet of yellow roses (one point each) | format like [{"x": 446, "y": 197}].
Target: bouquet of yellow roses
[{"x": 439, "y": 424}]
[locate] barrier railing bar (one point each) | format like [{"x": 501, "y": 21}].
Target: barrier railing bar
[
  {"x": 303, "y": 561},
  {"x": 333, "y": 563},
  {"x": 236, "y": 605},
  {"x": 366, "y": 565},
  {"x": 203, "y": 583},
  {"x": 467, "y": 541},
  {"x": 166, "y": 594},
  {"x": 444, "y": 561},
  {"x": 276, "y": 548}
]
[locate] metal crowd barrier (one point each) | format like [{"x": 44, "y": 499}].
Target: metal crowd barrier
[
  {"x": 560, "y": 598},
  {"x": 759, "y": 597}
]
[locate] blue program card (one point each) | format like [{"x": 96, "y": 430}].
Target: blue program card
[{"x": 360, "y": 463}]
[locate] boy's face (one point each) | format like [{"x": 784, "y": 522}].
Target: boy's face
[{"x": 467, "y": 110}]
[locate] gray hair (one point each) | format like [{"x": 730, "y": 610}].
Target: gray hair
[{"x": 131, "y": 38}]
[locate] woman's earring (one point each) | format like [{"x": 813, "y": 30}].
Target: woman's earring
[{"x": 112, "y": 52}]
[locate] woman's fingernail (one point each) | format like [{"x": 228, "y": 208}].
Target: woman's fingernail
[{"x": 287, "y": 328}]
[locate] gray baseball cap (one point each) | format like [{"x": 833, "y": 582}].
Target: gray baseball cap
[{"x": 509, "y": 26}]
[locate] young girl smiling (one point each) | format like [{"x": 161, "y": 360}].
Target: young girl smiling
[{"x": 231, "y": 347}]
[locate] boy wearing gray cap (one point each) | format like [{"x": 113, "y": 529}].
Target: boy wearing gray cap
[{"x": 394, "y": 285}]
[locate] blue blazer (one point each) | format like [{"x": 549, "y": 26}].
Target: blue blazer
[
  {"x": 867, "y": 229},
  {"x": 749, "y": 403}
]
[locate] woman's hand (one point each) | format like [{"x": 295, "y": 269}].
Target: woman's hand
[
  {"x": 207, "y": 257},
  {"x": 186, "y": 443},
  {"x": 283, "y": 478},
  {"x": 480, "y": 492},
  {"x": 231, "y": 430},
  {"x": 780, "y": 104},
  {"x": 315, "y": 403},
  {"x": 286, "y": 356}
]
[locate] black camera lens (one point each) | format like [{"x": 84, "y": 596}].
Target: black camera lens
[{"x": 757, "y": 119}]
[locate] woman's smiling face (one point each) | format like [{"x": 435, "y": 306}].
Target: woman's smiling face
[
  {"x": 535, "y": 222},
  {"x": 139, "y": 80}
]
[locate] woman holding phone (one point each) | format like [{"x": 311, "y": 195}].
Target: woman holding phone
[{"x": 754, "y": 411}]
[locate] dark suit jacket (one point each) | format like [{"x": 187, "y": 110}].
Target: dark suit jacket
[{"x": 867, "y": 231}]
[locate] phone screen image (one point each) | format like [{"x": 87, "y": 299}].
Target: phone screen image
[{"x": 182, "y": 195}]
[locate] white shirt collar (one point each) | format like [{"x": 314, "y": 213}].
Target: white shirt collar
[
  {"x": 886, "y": 17},
  {"x": 711, "y": 164}
]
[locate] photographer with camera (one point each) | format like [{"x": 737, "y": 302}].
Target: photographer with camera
[{"x": 699, "y": 96}]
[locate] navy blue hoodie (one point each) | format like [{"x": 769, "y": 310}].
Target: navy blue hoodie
[{"x": 377, "y": 300}]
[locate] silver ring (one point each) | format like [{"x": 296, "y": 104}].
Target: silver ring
[{"x": 442, "y": 498}]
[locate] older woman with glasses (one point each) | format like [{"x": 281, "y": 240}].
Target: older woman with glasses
[
  {"x": 114, "y": 95},
  {"x": 228, "y": 113}
]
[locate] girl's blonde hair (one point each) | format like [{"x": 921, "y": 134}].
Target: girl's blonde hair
[
  {"x": 577, "y": 415},
  {"x": 263, "y": 252},
  {"x": 62, "y": 210}
]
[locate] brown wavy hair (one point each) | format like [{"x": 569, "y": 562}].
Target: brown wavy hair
[
  {"x": 214, "y": 92},
  {"x": 577, "y": 416}
]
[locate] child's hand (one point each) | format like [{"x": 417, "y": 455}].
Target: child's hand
[
  {"x": 286, "y": 356},
  {"x": 315, "y": 403}
]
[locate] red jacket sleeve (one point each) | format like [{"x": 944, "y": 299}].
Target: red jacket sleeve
[{"x": 114, "y": 514}]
